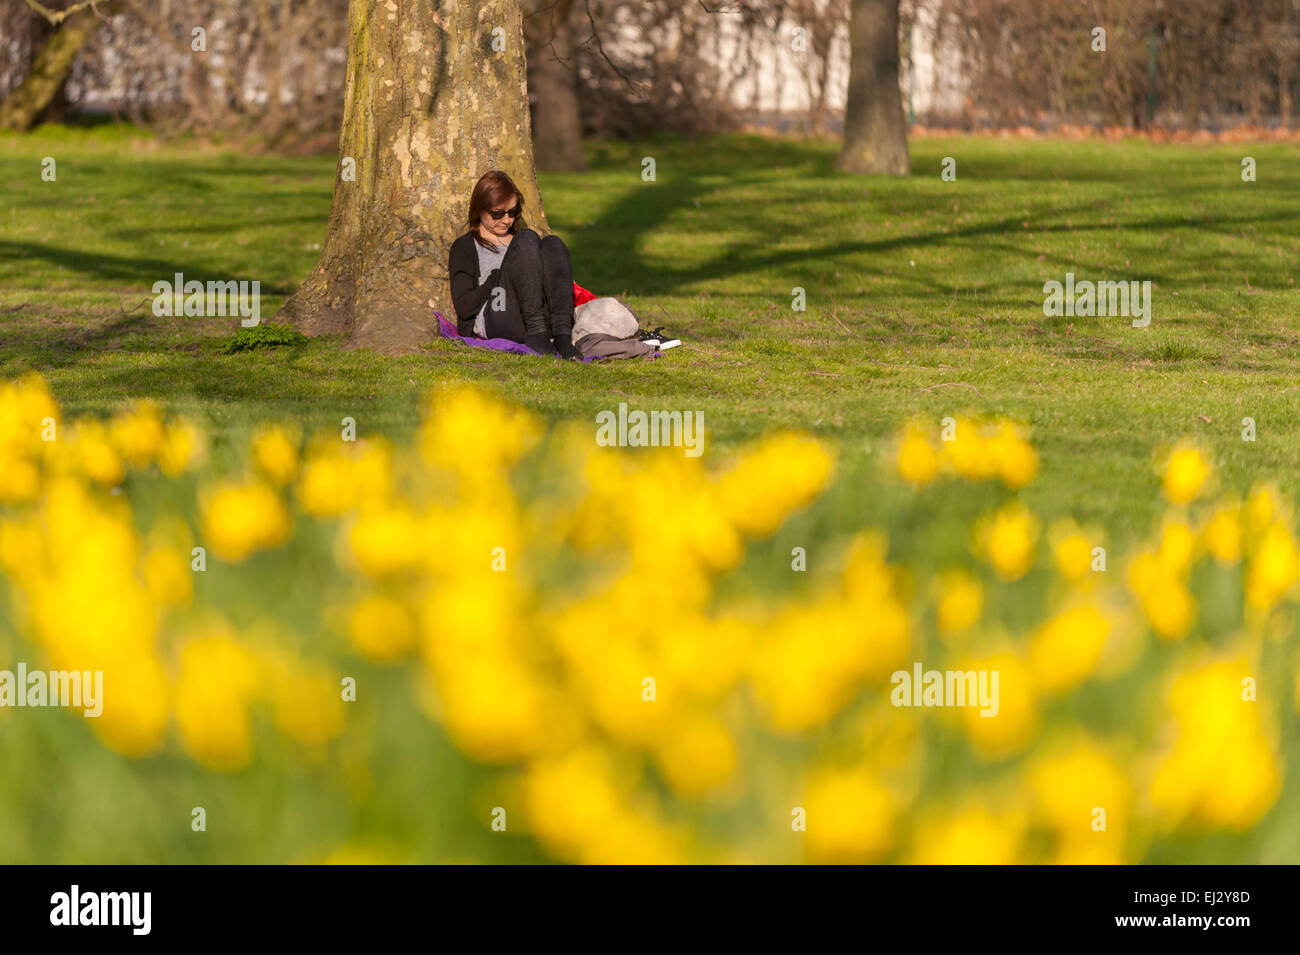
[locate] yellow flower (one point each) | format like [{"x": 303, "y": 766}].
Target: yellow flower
[
  {"x": 1264, "y": 508},
  {"x": 971, "y": 835},
  {"x": 24, "y": 407},
  {"x": 97, "y": 457},
  {"x": 1273, "y": 568},
  {"x": 810, "y": 660},
  {"x": 275, "y": 449},
  {"x": 306, "y": 700},
  {"x": 182, "y": 449},
  {"x": 1221, "y": 535},
  {"x": 1177, "y": 547},
  {"x": 381, "y": 628},
  {"x": 1065, "y": 650},
  {"x": 218, "y": 677},
  {"x": 240, "y": 519},
  {"x": 167, "y": 575},
  {"x": 851, "y": 816},
  {"x": 1008, "y": 540},
  {"x": 961, "y": 600},
  {"x": 698, "y": 757},
  {"x": 1185, "y": 473},
  {"x": 336, "y": 480},
  {"x": 704, "y": 655},
  {"x": 1073, "y": 781},
  {"x": 1008, "y": 730},
  {"x": 1157, "y": 580},
  {"x": 918, "y": 462},
  {"x": 19, "y": 479},
  {"x": 476, "y": 434},
  {"x": 1014, "y": 458},
  {"x": 1071, "y": 552},
  {"x": 969, "y": 453},
  {"x": 494, "y": 707},
  {"x": 1222, "y": 770},
  {"x": 138, "y": 433},
  {"x": 22, "y": 549},
  {"x": 134, "y": 720},
  {"x": 578, "y": 805},
  {"x": 781, "y": 474},
  {"x": 1171, "y": 610},
  {"x": 389, "y": 540},
  {"x": 327, "y": 487}
]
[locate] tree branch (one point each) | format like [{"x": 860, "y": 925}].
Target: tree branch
[
  {"x": 595, "y": 34},
  {"x": 58, "y": 16},
  {"x": 161, "y": 31}
]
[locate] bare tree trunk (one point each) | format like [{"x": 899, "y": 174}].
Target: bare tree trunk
[
  {"x": 875, "y": 129},
  {"x": 553, "y": 80},
  {"x": 50, "y": 69},
  {"x": 430, "y": 106},
  {"x": 22, "y": 34},
  {"x": 1192, "y": 102},
  {"x": 820, "y": 43},
  {"x": 1288, "y": 47}
]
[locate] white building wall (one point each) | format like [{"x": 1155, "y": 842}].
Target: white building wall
[{"x": 782, "y": 83}]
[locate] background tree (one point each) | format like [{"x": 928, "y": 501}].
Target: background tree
[
  {"x": 69, "y": 31},
  {"x": 653, "y": 66},
  {"x": 553, "y": 85},
  {"x": 875, "y": 129}
]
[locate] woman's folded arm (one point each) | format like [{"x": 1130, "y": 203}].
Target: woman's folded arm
[{"x": 467, "y": 296}]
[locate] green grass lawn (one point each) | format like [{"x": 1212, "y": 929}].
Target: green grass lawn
[{"x": 923, "y": 296}]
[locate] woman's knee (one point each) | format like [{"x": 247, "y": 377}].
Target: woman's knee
[
  {"x": 553, "y": 248},
  {"x": 554, "y": 253},
  {"x": 526, "y": 246}
]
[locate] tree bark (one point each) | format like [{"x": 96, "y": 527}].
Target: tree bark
[
  {"x": 50, "y": 68},
  {"x": 429, "y": 107},
  {"x": 553, "y": 81},
  {"x": 875, "y": 129},
  {"x": 1287, "y": 48}
]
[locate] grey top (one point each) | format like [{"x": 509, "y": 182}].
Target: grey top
[{"x": 488, "y": 259}]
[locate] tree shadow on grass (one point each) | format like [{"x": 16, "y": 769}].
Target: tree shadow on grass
[
  {"x": 607, "y": 254},
  {"x": 120, "y": 269},
  {"x": 30, "y": 341}
]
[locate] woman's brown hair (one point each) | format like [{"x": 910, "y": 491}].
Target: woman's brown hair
[{"x": 494, "y": 189}]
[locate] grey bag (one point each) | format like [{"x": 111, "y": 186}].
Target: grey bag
[
  {"x": 603, "y": 346},
  {"x": 604, "y": 316}
]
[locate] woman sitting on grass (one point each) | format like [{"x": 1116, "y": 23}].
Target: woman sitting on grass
[{"x": 508, "y": 282}]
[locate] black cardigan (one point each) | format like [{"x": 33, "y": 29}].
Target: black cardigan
[{"x": 467, "y": 296}]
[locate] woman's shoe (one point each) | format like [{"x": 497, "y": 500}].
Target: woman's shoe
[
  {"x": 564, "y": 345},
  {"x": 658, "y": 338}
]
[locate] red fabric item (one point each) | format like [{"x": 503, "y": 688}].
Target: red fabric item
[{"x": 581, "y": 296}]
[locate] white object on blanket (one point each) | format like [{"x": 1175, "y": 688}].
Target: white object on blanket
[{"x": 603, "y": 316}]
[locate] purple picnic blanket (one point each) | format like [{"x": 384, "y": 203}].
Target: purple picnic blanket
[{"x": 448, "y": 330}]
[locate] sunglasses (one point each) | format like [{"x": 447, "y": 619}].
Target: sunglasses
[{"x": 512, "y": 213}]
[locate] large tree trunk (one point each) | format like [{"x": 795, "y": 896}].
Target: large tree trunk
[
  {"x": 553, "y": 81},
  {"x": 875, "y": 130},
  {"x": 50, "y": 69},
  {"x": 429, "y": 107}
]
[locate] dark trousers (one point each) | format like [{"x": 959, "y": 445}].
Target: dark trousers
[{"x": 537, "y": 282}]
